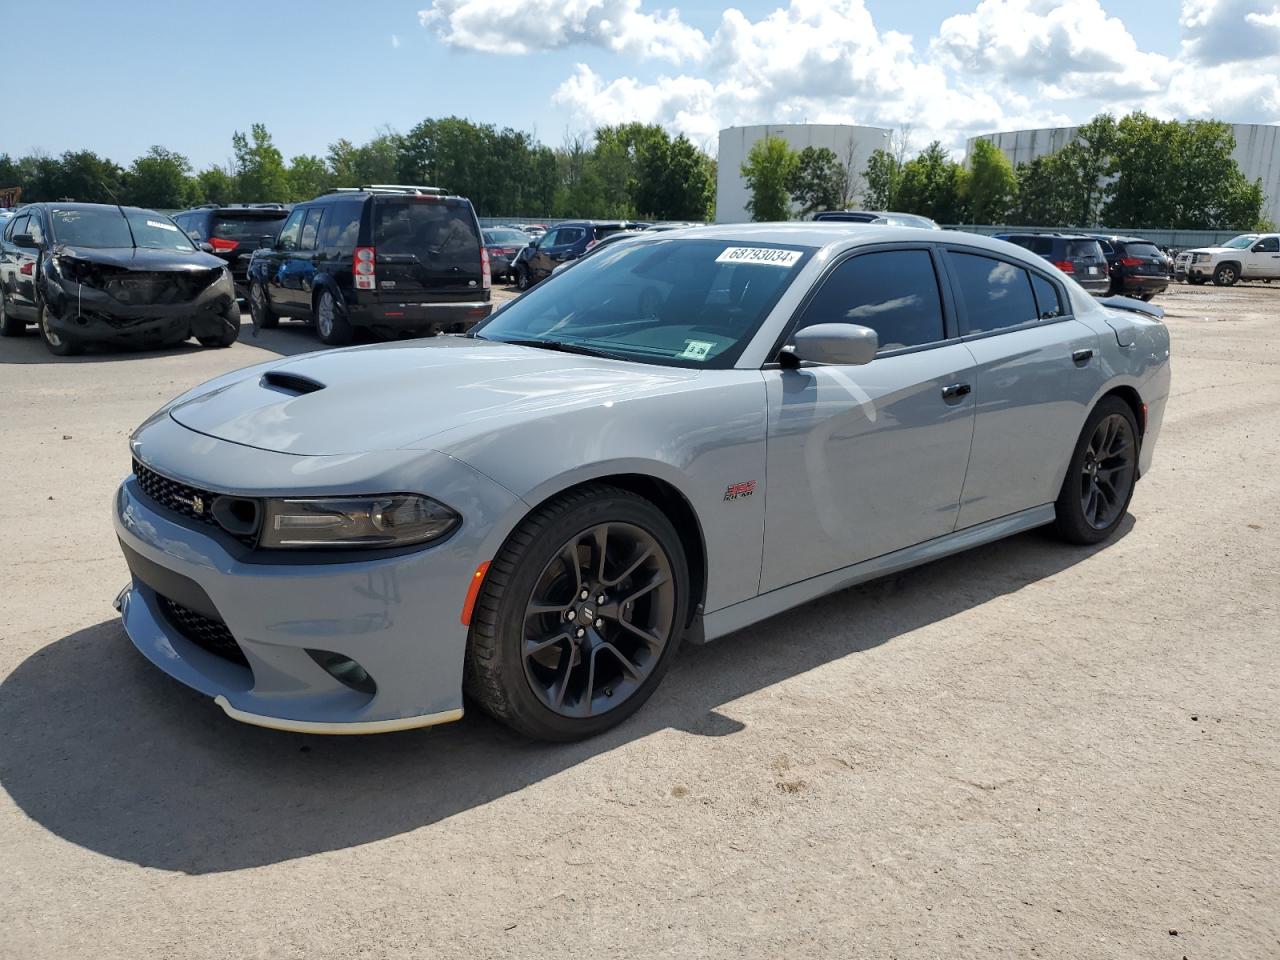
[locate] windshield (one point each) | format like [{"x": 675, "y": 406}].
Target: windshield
[
  {"x": 505, "y": 236},
  {"x": 677, "y": 302},
  {"x": 1240, "y": 242},
  {"x": 107, "y": 227}
]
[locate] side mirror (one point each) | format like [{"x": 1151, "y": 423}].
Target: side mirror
[
  {"x": 835, "y": 343},
  {"x": 204, "y": 247},
  {"x": 268, "y": 241},
  {"x": 24, "y": 240}
]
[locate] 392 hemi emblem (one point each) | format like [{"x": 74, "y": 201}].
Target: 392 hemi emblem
[{"x": 736, "y": 491}]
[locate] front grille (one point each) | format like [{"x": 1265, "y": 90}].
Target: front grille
[
  {"x": 205, "y": 632},
  {"x": 190, "y": 502},
  {"x": 155, "y": 289}
]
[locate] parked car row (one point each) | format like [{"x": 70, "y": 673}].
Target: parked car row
[{"x": 1250, "y": 256}]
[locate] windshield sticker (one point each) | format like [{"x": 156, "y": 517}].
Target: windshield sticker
[
  {"x": 162, "y": 226},
  {"x": 695, "y": 350},
  {"x": 767, "y": 255}
]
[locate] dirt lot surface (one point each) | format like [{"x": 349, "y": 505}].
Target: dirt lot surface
[{"x": 1027, "y": 750}]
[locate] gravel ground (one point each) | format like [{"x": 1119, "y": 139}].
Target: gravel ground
[{"x": 1026, "y": 750}]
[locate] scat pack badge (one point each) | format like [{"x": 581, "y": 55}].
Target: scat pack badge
[{"x": 738, "y": 491}]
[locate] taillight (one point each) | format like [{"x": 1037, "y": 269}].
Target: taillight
[
  {"x": 486, "y": 280},
  {"x": 1131, "y": 261},
  {"x": 362, "y": 267},
  {"x": 1065, "y": 266},
  {"x": 222, "y": 246}
]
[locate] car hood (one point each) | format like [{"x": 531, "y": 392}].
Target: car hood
[
  {"x": 138, "y": 258},
  {"x": 1215, "y": 250},
  {"x": 392, "y": 395}
]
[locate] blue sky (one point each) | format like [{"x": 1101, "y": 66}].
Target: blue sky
[{"x": 121, "y": 76}]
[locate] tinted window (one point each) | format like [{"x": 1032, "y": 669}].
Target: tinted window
[
  {"x": 311, "y": 228},
  {"x": 289, "y": 232},
  {"x": 341, "y": 228},
  {"x": 504, "y": 236},
  {"x": 1048, "y": 301},
  {"x": 1141, "y": 250},
  {"x": 415, "y": 226},
  {"x": 17, "y": 226},
  {"x": 602, "y": 232},
  {"x": 231, "y": 227},
  {"x": 995, "y": 294},
  {"x": 567, "y": 235},
  {"x": 1083, "y": 250},
  {"x": 895, "y": 293},
  {"x": 1107, "y": 249},
  {"x": 1268, "y": 245}
]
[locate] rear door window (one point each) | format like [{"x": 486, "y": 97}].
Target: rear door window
[
  {"x": 311, "y": 228},
  {"x": 894, "y": 292},
  {"x": 1048, "y": 300},
  {"x": 996, "y": 294},
  {"x": 1267, "y": 245}
]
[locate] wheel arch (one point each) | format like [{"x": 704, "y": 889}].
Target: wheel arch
[
  {"x": 323, "y": 282},
  {"x": 667, "y": 497}
]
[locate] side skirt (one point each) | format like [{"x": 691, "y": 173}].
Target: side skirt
[{"x": 747, "y": 612}]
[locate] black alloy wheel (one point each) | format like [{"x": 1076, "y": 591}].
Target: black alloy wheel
[
  {"x": 579, "y": 616},
  {"x": 1101, "y": 476}
]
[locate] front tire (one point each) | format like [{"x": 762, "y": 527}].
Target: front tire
[
  {"x": 522, "y": 279},
  {"x": 580, "y": 615},
  {"x": 331, "y": 322},
  {"x": 230, "y": 332},
  {"x": 1226, "y": 275},
  {"x": 1101, "y": 475},
  {"x": 56, "y": 344}
]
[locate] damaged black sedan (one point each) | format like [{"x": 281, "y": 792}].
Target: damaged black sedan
[{"x": 96, "y": 273}]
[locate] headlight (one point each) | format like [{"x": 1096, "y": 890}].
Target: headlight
[{"x": 395, "y": 520}]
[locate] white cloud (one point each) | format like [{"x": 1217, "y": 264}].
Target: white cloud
[
  {"x": 528, "y": 26},
  {"x": 395, "y": 41},
  {"x": 1002, "y": 64},
  {"x": 1230, "y": 31}
]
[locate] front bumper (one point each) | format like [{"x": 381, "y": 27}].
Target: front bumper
[
  {"x": 396, "y": 616},
  {"x": 84, "y": 314}
]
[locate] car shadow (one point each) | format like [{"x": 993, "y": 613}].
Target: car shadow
[{"x": 108, "y": 753}]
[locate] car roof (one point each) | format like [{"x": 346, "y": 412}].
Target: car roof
[{"x": 77, "y": 205}]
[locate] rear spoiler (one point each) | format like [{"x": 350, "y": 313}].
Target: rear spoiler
[{"x": 1132, "y": 305}]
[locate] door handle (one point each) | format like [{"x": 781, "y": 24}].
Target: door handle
[
  {"x": 955, "y": 391},
  {"x": 1081, "y": 357}
]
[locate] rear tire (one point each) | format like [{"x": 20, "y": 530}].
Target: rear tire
[
  {"x": 231, "y": 332},
  {"x": 331, "y": 322},
  {"x": 554, "y": 664},
  {"x": 264, "y": 318},
  {"x": 1226, "y": 275},
  {"x": 56, "y": 344},
  {"x": 10, "y": 326},
  {"x": 1101, "y": 475}
]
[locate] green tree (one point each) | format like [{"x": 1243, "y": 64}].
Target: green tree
[
  {"x": 160, "y": 179},
  {"x": 308, "y": 177},
  {"x": 674, "y": 180},
  {"x": 993, "y": 185},
  {"x": 215, "y": 185},
  {"x": 883, "y": 176},
  {"x": 1090, "y": 157},
  {"x": 260, "y": 172},
  {"x": 1046, "y": 195},
  {"x": 934, "y": 186},
  {"x": 817, "y": 181},
  {"x": 768, "y": 171}
]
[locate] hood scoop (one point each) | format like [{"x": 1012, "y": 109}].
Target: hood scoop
[{"x": 290, "y": 384}]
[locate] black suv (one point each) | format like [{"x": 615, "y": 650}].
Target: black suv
[
  {"x": 1136, "y": 266},
  {"x": 234, "y": 231},
  {"x": 392, "y": 259},
  {"x": 562, "y": 243},
  {"x": 1077, "y": 255}
]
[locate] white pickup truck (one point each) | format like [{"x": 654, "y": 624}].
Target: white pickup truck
[{"x": 1250, "y": 256}]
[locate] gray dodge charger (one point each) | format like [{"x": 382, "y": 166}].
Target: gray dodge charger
[{"x": 667, "y": 442}]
